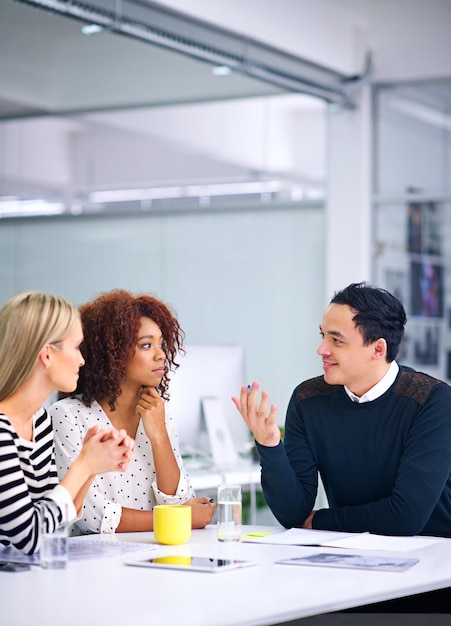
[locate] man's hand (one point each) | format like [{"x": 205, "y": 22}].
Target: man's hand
[
  {"x": 262, "y": 424},
  {"x": 308, "y": 522}
]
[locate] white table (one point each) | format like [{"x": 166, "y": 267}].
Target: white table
[{"x": 106, "y": 591}]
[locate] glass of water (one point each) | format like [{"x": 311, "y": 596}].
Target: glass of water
[
  {"x": 229, "y": 512},
  {"x": 54, "y": 545}
]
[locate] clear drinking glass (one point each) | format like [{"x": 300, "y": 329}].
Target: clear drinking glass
[
  {"x": 54, "y": 545},
  {"x": 229, "y": 512}
]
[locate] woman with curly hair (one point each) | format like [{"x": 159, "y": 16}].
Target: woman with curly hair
[{"x": 130, "y": 345}]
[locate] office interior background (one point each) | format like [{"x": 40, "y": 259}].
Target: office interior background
[{"x": 240, "y": 160}]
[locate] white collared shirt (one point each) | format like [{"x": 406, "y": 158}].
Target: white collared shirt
[{"x": 379, "y": 388}]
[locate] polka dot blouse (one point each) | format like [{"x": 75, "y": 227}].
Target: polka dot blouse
[{"x": 136, "y": 488}]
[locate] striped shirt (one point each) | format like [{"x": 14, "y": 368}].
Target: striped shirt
[{"x": 27, "y": 478}]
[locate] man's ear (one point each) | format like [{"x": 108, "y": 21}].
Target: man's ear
[{"x": 380, "y": 348}]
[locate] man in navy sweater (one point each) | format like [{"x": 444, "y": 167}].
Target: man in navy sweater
[{"x": 379, "y": 434}]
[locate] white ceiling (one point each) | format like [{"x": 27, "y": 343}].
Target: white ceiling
[
  {"x": 83, "y": 113},
  {"x": 48, "y": 66}
]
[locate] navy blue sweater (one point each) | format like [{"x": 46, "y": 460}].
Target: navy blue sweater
[{"x": 385, "y": 464}]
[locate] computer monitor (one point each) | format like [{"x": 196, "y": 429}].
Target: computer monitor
[{"x": 215, "y": 372}]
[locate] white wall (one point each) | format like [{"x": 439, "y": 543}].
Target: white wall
[
  {"x": 36, "y": 152},
  {"x": 410, "y": 38},
  {"x": 275, "y": 134},
  {"x": 210, "y": 141},
  {"x": 412, "y": 151}
]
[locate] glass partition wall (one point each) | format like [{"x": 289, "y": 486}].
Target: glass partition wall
[
  {"x": 147, "y": 169},
  {"x": 412, "y": 215}
]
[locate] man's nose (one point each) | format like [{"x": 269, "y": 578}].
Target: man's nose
[{"x": 322, "y": 348}]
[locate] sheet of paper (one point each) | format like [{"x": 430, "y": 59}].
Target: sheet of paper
[
  {"x": 367, "y": 541},
  {"x": 354, "y": 541},
  {"x": 298, "y": 537},
  {"x": 80, "y": 549}
]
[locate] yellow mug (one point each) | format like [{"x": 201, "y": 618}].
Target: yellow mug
[{"x": 171, "y": 523}]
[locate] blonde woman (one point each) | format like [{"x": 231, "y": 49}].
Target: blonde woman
[{"x": 40, "y": 337}]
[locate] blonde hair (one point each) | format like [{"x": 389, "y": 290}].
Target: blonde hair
[{"x": 28, "y": 322}]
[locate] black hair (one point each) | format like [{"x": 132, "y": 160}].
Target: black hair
[{"x": 379, "y": 314}]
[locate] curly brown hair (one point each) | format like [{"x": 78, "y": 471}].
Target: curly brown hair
[{"x": 110, "y": 326}]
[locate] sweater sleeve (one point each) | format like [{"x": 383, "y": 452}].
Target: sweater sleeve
[
  {"x": 423, "y": 472},
  {"x": 289, "y": 474}
]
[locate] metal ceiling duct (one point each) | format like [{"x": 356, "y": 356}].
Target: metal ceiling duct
[{"x": 149, "y": 22}]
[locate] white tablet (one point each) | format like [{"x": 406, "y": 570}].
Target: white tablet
[{"x": 191, "y": 563}]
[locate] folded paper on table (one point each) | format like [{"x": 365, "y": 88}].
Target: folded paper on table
[{"x": 353, "y": 561}]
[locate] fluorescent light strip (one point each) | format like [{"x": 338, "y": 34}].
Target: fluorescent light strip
[
  {"x": 190, "y": 191},
  {"x": 232, "y": 189},
  {"x": 130, "y": 195},
  {"x": 28, "y": 208}
]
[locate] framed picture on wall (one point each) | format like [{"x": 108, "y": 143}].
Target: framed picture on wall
[
  {"x": 426, "y": 289},
  {"x": 395, "y": 281},
  {"x": 423, "y": 228},
  {"x": 432, "y": 240},
  {"x": 425, "y": 343},
  {"x": 414, "y": 227},
  {"x": 448, "y": 365}
]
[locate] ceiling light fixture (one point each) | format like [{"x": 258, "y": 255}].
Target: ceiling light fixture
[
  {"x": 91, "y": 29},
  {"x": 221, "y": 70}
]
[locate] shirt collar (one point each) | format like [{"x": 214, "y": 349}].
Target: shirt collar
[{"x": 379, "y": 388}]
